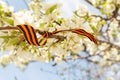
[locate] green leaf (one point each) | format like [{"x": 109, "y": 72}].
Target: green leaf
[
  {"x": 49, "y": 56},
  {"x": 1, "y": 7},
  {"x": 87, "y": 18},
  {"x": 50, "y": 24},
  {"x": 114, "y": 34},
  {"x": 41, "y": 25},
  {"x": 3, "y": 48},
  {"x": 13, "y": 41},
  {"x": 75, "y": 12},
  {"x": 8, "y": 20},
  {"x": 23, "y": 46},
  {"x": 33, "y": 49},
  {"x": 104, "y": 4},
  {"x": 7, "y": 36},
  {"x": 2, "y": 13},
  {"x": 51, "y": 9},
  {"x": 61, "y": 20},
  {"x": 93, "y": 28},
  {"x": 103, "y": 22}
]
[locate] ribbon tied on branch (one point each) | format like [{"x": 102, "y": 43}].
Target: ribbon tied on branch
[{"x": 29, "y": 34}]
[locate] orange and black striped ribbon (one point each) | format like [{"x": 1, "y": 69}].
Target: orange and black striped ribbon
[
  {"x": 43, "y": 39},
  {"x": 84, "y": 33},
  {"x": 29, "y": 34},
  {"x": 31, "y": 38}
]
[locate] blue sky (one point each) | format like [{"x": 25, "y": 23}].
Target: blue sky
[{"x": 33, "y": 71}]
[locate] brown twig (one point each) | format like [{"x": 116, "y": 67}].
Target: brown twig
[
  {"x": 112, "y": 44},
  {"x": 53, "y": 34},
  {"x": 91, "y": 3},
  {"x": 115, "y": 12},
  {"x": 37, "y": 30},
  {"x": 8, "y": 28}
]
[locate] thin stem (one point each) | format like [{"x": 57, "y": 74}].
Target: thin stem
[
  {"x": 112, "y": 44},
  {"x": 92, "y": 4},
  {"x": 8, "y": 28},
  {"x": 36, "y": 30},
  {"x": 55, "y": 32}
]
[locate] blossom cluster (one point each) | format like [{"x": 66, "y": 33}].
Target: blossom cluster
[
  {"x": 42, "y": 16},
  {"x": 47, "y": 17},
  {"x": 106, "y": 6}
]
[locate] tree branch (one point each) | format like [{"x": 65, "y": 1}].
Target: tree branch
[
  {"x": 59, "y": 37},
  {"x": 113, "y": 45},
  {"x": 91, "y": 3},
  {"x": 8, "y": 28},
  {"x": 115, "y": 12}
]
